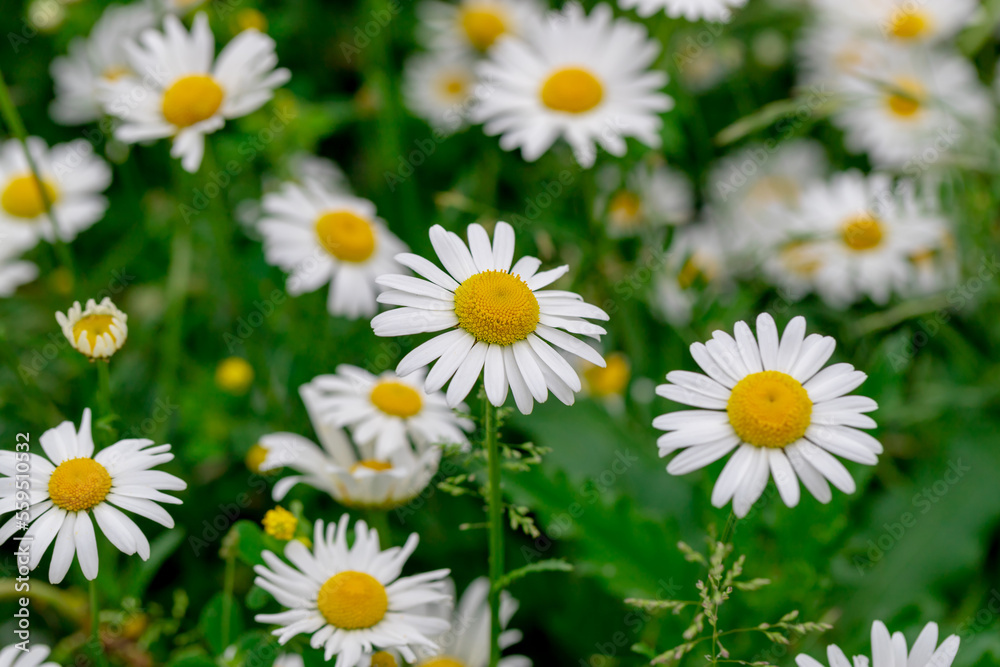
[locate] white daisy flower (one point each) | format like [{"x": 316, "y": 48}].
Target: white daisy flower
[
  {"x": 181, "y": 91},
  {"x": 69, "y": 485},
  {"x": 73, "y": 179},
  {"x": 499, "y": 319},
  {"x": 793, "y": 267},
  {"x": 695, "y": 262},
  {"x": 387, "y": 412},
  {"x": 13, "y": 656},
  {"x": 584, "y": 78},
  {"x": 322, "y": 236},
  {"x": 473, "y": 26},
  {"x": 770, "y": 402},
  {"x": 14, "y": 272},
  {"x": 353, "y": 477},
  {"x": 647, "y": 197},
  {"x": 307, "y": 169},
  {"x": 692, "y": 10},
  {"x": 915, "y": 102},
  {"x": 350, "y": 597},
  {"x": 903, "y": 21},
  {"x": 892, "y": 651},
  {"x": 98, "y": 331},
  {"x": 99, "y": 57},
  {"x": 467, "y": 642},
  {"x": 440, "y": 87},
  {"x": 836, "y": 57},
  {"x": 869, "y": 232}
]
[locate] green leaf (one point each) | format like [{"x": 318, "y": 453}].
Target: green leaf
[
  {"x": 193, "y": 661},
  {"x": 251, "y": 541},
  {"x": 552, "y": 565}
]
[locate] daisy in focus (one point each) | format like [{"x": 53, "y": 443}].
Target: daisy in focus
[
  {"x": 467, "y": 643},
  {"x": 98, "y": 58},
  {"x": 70, "y": 488},
  {"x": 914, "y": 102},
  {"x": 349, "y": 596},
  {"x": 73, "y": 179},
  {"x": 180, "y": 90},
  {"x": 770, "y": 401},
  {"x": 440, "y": 87},
  {"x": 387, "y": 412},
  {"x": 868, "y": 233},
  {"x": 892, "y": 651},
  {"x": 692, "y": 10},
  {"x": 473, "y": 26},
  {"x": 648, "y": 197},
  {"x": 586, "y": 79},
  {"x": 97, "y": 331},
  {"x": 14, "y": 656},
  {"x": 498, "y": 320},
  {"x": 354, "y": 477},
  {"x": 319, "y": 236}
]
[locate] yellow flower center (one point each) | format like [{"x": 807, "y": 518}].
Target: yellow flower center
[
  {"x": 442, "y": 661},
  {"x": 453, "y": 87},
  {"x": 610, "y": 380},
  {"x": 95, "y": 326},
  {"x": 79, "y": 484},
  {"x": 769, "y": 409},
  {"x": 861, "y": 233},
  {"x": 801, "y": 258},
  {"x": 352, "y": 601},
  {"x": 255, "y": 458},
  {"x": 280, "y": 523},
  {"x": 688, "y": 274},
  {"x": 483, "y": 26},
  {"x": 909, "y": 25},
  {"x": 251, "y": 18},
  {"x": 192, "y": 99},
  {"x": 396, "y": 399},
  {"x": 346, "y": 236},
  {"x": 371, "y": 464},
  {"x": 116, "y": 72},
  {"x": 770, "y": 189},
  {"x": 22, "y": 198},
  {"x": 624, "y": 207},
  {"x": 496, "y": 307},
  {"x": 573, "y": 90},
  {"x": 905, "y": 100},
  {"x": 234, "y": 375},
  {"x": 383, "y": 659}
]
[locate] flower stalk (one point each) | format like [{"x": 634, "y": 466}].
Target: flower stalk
[{"x": 496, "y": 564}]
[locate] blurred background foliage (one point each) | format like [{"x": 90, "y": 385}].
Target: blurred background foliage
[{"x": 915, "y": 543}]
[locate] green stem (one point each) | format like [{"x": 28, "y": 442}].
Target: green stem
[
  {"x": 496, "y": 526},
  {"x": 178, "y": 278},
  {"x": 379, "y": 520},
  {"x": 95, "y": 626},
  {"x": 227, "y": 597},
  {"x": 14, "y": 123},
  {"x": 104, "y": 395}
]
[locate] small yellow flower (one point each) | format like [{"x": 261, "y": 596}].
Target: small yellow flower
[
  {"x": 255, "y": 458},
  {"x": 609, "y": 381},
  {"x": 234, "y": 375},
  {"x": 280, "y": 523},
  {"x": 383, "y": 659},
  {"x": 247, "y": 19},
  {"x": 98, "y": 331}
]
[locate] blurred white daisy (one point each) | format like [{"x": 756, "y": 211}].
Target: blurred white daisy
[
  {"x": 467, "y": 642},
  {"x": 793, "y": 267},
  {"x": 349, "y": 596},
  {"x": 14, "y": 656},
  {"x": 834, "y": 57},
  {"x": 307, "y": 169},
  {"x": 770, "y": 402},
  {"x": 99, "y": 57},
  {"x": 869, "y": 230},
  {"x": 584, "y": 78},
  {"x": 473, "y": 26},
  {"x": 913, "y": 103},
  {"x": 695, "y": 262},
  {"x": 69, "y": 485},
  {"x": 692, "y": 10},
  {"x": 179, "y": 89},
  {"x": 97, "y": 331},
  {"x": 892, "y": 651},
  {"x": 319, "y": 235},
  {"x": 14, "y": 272},
  {"x": 73, "y": 179},
  {"x": 903, "y": 21},
  {"x": 440, "y": 87},
  {"x": 645, "y": 198},
  {"x": 500, "y": 321},
  {"x": 387, "y": 412},
  {"x": 353, "y": 477}
]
